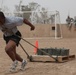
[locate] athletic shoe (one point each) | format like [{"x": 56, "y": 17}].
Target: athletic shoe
[
  {"x": 23, "y": 65},
  {"x": 13, "y": 67}
]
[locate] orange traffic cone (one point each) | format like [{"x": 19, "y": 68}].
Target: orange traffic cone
[{"x": 36, "y": 48}]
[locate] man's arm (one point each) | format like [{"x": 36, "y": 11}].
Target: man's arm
[{"x": 28, "y": 23}]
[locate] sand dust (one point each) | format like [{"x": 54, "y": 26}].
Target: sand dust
[{"x": 40, "y": 68}]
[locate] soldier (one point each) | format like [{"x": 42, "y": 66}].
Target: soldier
[
  {"x": 69, "y": 21},
  {"x": 8, "y": 25}
]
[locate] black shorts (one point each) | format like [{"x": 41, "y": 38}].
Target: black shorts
[{"x": 13, "y": 37}]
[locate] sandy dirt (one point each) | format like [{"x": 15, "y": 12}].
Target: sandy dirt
[{"x": 40, "y": 68}]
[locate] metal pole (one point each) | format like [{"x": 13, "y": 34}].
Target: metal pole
[{"x": 29, "y": 57}]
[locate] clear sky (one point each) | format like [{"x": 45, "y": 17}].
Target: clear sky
[{"x": 63, "y": 6}]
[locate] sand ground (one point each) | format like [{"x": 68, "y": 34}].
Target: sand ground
[{"x": 40, "y": 68}]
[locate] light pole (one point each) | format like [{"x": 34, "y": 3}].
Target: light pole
[
  {"x": 1, "y": 5},
  {"x": 20, "y": 5}
]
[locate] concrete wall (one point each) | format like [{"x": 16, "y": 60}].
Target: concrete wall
[
  {"x": 45, "y": 31},
  {"x": 40, "y": 31},
  {"x": 68, "y": 33}
]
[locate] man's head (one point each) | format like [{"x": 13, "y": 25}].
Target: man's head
[{"x": 2, "y": 18}]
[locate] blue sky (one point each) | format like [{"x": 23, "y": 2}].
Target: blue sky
[{"x": 63, "y": 6}]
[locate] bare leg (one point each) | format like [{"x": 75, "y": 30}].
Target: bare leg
[
  {"x": 9, "y": 47},
  {"x": 11, "y": 51},
  {"x": 17, "y": 56}
]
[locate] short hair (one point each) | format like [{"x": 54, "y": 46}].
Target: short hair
[{"x": 2, "y": 14}]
